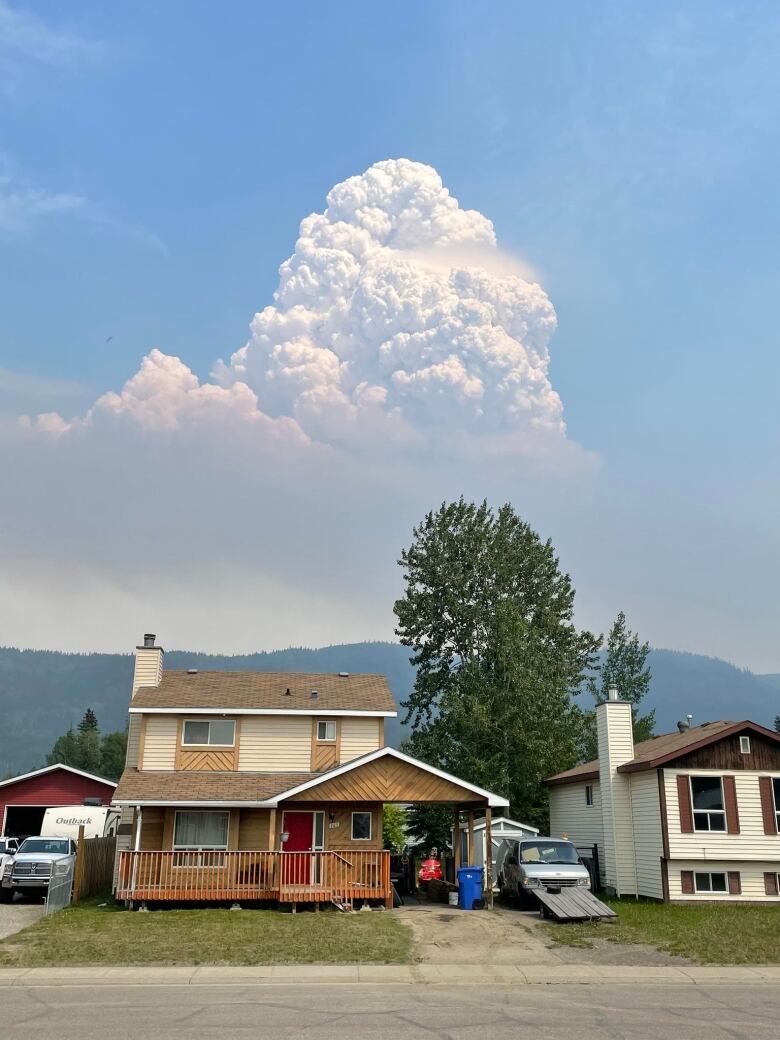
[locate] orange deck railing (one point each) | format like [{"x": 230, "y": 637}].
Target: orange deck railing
[{"x": 290, "y": 877}]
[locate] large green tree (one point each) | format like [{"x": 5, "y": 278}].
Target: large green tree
[
  {"x": 625, "y": 666},
  {"x": 488, "y": 614},
  {"x": 84, "y": 748}
]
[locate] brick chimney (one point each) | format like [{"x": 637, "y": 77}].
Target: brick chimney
[
  {"x": 148, "y": 663},
  {"x": 616, "y": 747}
]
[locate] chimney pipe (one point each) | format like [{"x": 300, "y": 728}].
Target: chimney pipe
[
  {"x": 149, "y": 638},
  {"x": 612, "y": 693}
]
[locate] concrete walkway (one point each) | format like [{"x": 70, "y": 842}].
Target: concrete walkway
[{"x": 378, "y": 974}]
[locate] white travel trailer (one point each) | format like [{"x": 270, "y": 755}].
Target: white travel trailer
[{"x": 64, "y": 821}]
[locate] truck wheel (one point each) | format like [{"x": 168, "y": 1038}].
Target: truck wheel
[{"x": 6, "y": 895}]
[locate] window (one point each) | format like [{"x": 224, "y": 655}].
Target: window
[
  {"x": 361, "y": 826},
  {"x": 710, "y": 882},
  {"x": 326, "y": 731},
  {"x": 707, "y": 796},
  {"x": 776, "y": 792},
  {"x": 201, "y": 831},
  {"x": 589, "y": 794},
  {"x": 216, "y": 732},
  {"x": 744, "y": 745}
]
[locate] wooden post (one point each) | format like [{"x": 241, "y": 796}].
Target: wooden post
[
  {"x": 471, "y": 838},
  {"x": 456, "y": 844},
  {"x": 78, "y": 867},
  {"x": 488, "y": 857}
]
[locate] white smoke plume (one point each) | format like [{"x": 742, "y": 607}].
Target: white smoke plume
[{"x": 396, "y": 320}]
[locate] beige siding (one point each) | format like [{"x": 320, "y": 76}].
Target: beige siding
[
  {"x": 648, "y": 836},
  {"x": 133, "y": 741},
  {"x": 616, "y": 746},
  {"x": 570, "y": 817},
  {"x": 750, "y": 844},
  {"x": 160, "y": 742},
  {"x": 275, "y": 743},
  {"x": 148, "y": 667},
  {"x": 358, "y": 737},
  {"x": 751, "y": 876}
]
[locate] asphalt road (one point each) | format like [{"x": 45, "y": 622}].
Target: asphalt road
[{"x": 408, "y": 1012}]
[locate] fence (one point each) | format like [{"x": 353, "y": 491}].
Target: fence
[
  {"x": 94, "y": 870},
  {"x": 58, "y": 894}
]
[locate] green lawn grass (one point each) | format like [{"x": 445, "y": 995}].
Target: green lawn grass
[
  {"x": 707, "y": 934},
  {"x": 93, "y": 934}
]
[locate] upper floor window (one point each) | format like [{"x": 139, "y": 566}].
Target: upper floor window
[
  {"x": 215, "y": 732},
  {"x": 709, "y": 813},
  {"x": 776, "y": 789},
  {"x": 744, "y": 745},
  {"x": 326, "y": 731},
  {"x": 589, "y": 794}
]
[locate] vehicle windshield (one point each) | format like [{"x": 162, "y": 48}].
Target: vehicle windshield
[
  {"x": 548, "y": 852},
  {"x": 60, "y": 846}
]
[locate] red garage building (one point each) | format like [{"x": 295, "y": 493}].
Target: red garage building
[{"x": 24, "y": 799}]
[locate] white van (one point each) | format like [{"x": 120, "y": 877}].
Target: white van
[{"x": 64, "y": 821}]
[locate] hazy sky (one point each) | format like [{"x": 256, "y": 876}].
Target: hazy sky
[{"x": 276, "y": 279}]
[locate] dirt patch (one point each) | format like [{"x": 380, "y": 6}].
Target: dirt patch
[{"x": 506, "y": 935}]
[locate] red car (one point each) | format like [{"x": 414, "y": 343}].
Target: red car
[{"x": 430, "y": 870}]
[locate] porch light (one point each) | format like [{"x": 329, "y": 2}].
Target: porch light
[{"x": 284, "y": 836}]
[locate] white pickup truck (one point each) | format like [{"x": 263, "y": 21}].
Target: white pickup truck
[{"x": 30, "y": 870}]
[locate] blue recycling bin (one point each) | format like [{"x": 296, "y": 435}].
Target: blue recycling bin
[{"x": 469, "y": 886}]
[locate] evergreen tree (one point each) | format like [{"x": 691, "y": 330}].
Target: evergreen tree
[
  {"x": 429, "y": 828},
  {"x": 113, "y": 751},
  {"x": 624, "y": 666},
  {"x": 489, "y": 616},
  {"x": 89, "y": 722}
]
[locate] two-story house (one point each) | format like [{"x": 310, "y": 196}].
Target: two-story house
[
  {"x": 264, "y": 785},
  {"x": 686, "y": 816}
]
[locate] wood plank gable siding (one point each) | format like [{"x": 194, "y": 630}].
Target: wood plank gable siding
[
  {"x": 725, "y": 755},
  {"x": 388, "y": 780}
]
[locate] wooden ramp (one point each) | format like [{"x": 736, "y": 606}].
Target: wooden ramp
[{"x": 573, "y": 904}]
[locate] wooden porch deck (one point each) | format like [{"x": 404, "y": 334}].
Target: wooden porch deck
[{"x": 286, "y": 877}]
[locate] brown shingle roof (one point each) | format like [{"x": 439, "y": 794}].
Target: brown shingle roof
[
  {"x": 227, "y": 690},
  {"x": 201, "y": 786},
  {"x": 648, "y": 752}
]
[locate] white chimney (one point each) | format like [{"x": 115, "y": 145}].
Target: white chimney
[
  {"x": 616, "y": 747},
  {"x": 148, "y": 663}
]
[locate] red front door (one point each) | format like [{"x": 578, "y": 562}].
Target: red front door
[{"x": 296, "y": 869}]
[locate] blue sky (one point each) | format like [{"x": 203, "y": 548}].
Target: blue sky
[{"x": 156, "y": 161}]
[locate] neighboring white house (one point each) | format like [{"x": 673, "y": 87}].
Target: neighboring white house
[{"x": 686, "y": 816}]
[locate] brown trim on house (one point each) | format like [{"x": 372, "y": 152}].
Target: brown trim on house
[
  {"x": 381, "y": 727},
  {"x": 738, "y": 727},
  {"x": 664, "y": 820},
  {"x": 592, "y": 774},
  {"x": 684, "y": 800},
  {"x": 735, "y": 883},
  {"x": 730, "y": 804},
  {"x": 770, "y": 883},
  {"x": 767, "y": 804},
  {"x": 665, "y": 880}
]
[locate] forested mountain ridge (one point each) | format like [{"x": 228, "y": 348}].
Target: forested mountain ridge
[{"x": 43, "y": 692}]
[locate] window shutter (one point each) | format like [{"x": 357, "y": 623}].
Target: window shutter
[
  {"x": 735, "y": 883},
  {"x": 767, "y": 804},
  {"x": 684, "y": 800},
  {"x": 730, "y": 804},
  {"x": 686, "y": 882},
  {"x": 770, "y": 883}
]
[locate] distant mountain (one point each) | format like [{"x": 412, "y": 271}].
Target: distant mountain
[{"x": 43, "y": 692}]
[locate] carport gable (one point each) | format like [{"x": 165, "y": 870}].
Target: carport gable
[{"x": 388, "y": 775}]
